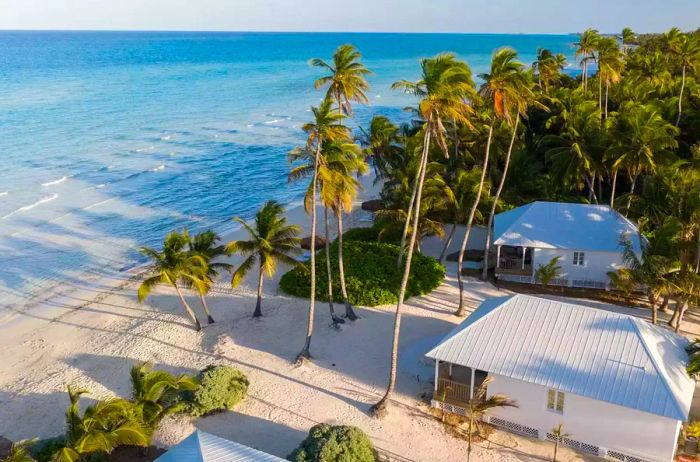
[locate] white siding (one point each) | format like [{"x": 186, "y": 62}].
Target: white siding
[
  {"x": 477, "y": 239},
  {"x": 608, "y": 426},
  {"x": 597, "y": 264}
]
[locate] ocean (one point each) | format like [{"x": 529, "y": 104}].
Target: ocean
[{"x": 109, "y": 140}]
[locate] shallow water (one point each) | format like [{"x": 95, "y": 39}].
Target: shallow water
[{"x": 111, "y": 139}]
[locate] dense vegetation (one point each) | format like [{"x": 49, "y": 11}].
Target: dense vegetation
[
  {"x": 335, "y": 443},
  {"x": 221, "y": 388},
  {"x": 371, "y": 274}
]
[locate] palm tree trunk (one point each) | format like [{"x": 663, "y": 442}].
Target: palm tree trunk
[
  {"x": 556, "y": 447},
  {"x": 470, "y": 220},
  {"x": 697, "y": 253},
  {"x": 612, "y": 193},
  {"x": 336, "y": 319},
  {"x": 305, "y": 353},
  {"x": 654, "y": 308},
  {"x": 205, "y": 306},
  {"x": 591, "y": 188},
  {"x": 680, "y": 98},
  {"x": 487, "y": 247},
  {"x": 600, "y": 91},
  {"x": 664, "y": 304},
  {"x": 448, "y": 241},
  {"x": 380, "y": 408},
  {"x": 408, "y": 217},
  {"x": 349, "y": 312},
  {"x": 469, "y": 439},
  {"x": 679, "y": 319},
  {"x": 607, "y": 90},
  {"x": 258, "y": 304},
  {"x": 189, "y": 311},
  {"x": 629, "y": 199}
]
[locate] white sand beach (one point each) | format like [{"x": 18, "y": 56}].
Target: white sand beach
[{"x": 92, "y": 338}]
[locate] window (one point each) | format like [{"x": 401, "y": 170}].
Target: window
[
  {"x": 579, "y": 258},
  {"x": 555, "y": 400}
]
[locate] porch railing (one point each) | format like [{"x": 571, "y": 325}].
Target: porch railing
[{"x": 452, "y": 392}]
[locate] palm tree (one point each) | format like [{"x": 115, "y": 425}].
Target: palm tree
[
  {"x": 628, "y": 36},
  {"x": 444, "y": 89},
  {"x": 324, "y": 127},
  {"x": 687, "y": 52},
  {"x": 204, "y": 245},
  {"x": 610, "y": 67},
  {"x": 102, "y": 427},
  {"x": 548, "y": 67},
  {"x": 585, "y": 49},
  {"x": 173, "y": 266},
  {"x": 158, "y": 393},
  {"x": 509, "y": 79},
  {"x": 647, "y": 270},
  {"x": 573, "y": 153},
  {"x": 347, "y": 78},
  {"x": 643, "y": 137},
  {"x": 559, "y": 437},
  {"x": 381, "y": 144},
  {"x": 480, "y": 405},
  {"x": 271, "y": 240}
]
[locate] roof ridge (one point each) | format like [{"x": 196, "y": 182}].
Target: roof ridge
[{"x": 636, "y": 322}]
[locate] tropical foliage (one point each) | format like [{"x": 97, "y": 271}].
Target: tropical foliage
[
  {"x": 221, "y": 388},
  {"x": 335, "y": 443}
]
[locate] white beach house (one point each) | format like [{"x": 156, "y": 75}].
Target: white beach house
[
  {"x": 585, "y": 237},
  {"x": 205, "y": 447},
  {"x": 617, "y": 383}
]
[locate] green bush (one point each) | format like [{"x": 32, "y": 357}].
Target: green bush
[
  {"x": 42, "y": 450},
  {"x": 371, "y": 234},
  {"x": 371, "y": 275},
  {"x": 335, "y": 443},
  {"x": 222, "y": 387}
]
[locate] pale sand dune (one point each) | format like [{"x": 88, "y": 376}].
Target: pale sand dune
[{"x": 95, "y": 346}]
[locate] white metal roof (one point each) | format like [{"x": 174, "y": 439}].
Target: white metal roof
[
  {"x": 586, "y": 351},
  {"x": 205, "y": 447},
  {"x": 560, "y": 225}
]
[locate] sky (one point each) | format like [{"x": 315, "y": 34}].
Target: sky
[{"x": 464, "y": 16}]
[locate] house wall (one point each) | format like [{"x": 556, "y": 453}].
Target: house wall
[
  {"x": 595, "y": 268},
  {"x": 477, "y": 239},
  {"x": 606, "y": 425}
]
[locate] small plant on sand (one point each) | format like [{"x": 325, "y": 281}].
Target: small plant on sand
[
  {"x": 479, "y": 405},
  {"x": 221, "y": 388},
  {"x": 271, "y": 241},
  {"x": 335, "y": 443},
  {"x": 559, "y": 436},
  {"x": 547, "y": 273}
]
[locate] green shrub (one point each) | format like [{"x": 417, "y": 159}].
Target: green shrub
[
  {"x": 42, "y": 450},
  {"x": 371, "y": 275},
  {"x": 335, "y": 443},
  {"x": 371, "y": 234},
  {"x": 221, "y": 388}
]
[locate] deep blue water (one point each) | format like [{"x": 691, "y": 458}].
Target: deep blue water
[{"x": 110, "y": 139}]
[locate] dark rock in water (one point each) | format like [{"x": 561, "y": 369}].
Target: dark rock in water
[
  {"x": 372, "y": 205},
  {"x": 5, "y": 446}
]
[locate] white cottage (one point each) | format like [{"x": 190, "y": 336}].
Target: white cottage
[
  {"x": 617, "y": 383},
  {"x": 585, "y": 237}
]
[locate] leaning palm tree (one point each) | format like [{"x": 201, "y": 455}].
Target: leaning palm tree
[
  {"x": 204, "y": 245},
  {"x": 444, "y": 91},
  {"x": 509, "y": 79},
  {"x": 548, "y": 67},
  {"x": 346, "y": 79},
  {"x": 271, "y": 240},
  {"x": 610, "y": 67},
  {"x": 479, "y": 405},
  {"x": 325, "y": 127},
  {"x": 158, "y": 393},
  {"x": 585, "y": 49},
  {"x": 175, "y": 266},
  {"x": 687, "y": 52}
]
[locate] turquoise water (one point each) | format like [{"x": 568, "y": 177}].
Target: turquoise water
[{"x": 109, "y": 140}]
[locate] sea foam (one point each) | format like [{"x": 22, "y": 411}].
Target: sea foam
[
  {"x": 54, "y": 182},
  {"x": 31, "y": 206}
]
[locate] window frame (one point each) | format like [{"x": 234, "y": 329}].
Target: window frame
[
  {"x": 556, "y": 401},
  {"x": 579, "y": 258}
]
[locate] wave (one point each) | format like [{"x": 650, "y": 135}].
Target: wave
[
  {"x": 150, "y": 148},
  {"x": 4, "y": 193},
  {"x": 54, "y": 182},
  {"x": 31, "y": 206},
  {"x": 90, "y": 188},
  {"x": 158, "y": 168},
  {"x": 273, "y": 121},
  {"x": 97, "y": 204},
  {"x": 166, "y": 138}
]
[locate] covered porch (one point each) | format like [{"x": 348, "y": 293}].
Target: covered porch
[
  {"x": 456, "y": 385},
  {"x": 514, "y": 261}
]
